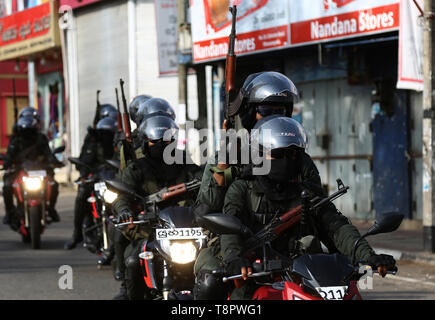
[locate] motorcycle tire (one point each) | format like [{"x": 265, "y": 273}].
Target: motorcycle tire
[{"x": 35, "y": 226}]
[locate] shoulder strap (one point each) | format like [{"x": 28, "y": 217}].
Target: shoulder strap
[{"x": 255, "y": 197}]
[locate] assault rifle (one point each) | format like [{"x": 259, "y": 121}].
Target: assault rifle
[
  {"x": 126, "y": 116},
  {"x": 119, "y": 112},
  {"x": 154, "y": 198},
  {"x": 227, "y": 224},
  {"x": 127, "y": 143},
  {"x": 298, "y": 214},
  {"x": 97, "y": 111},
  {"x": 230, "y": 69}
]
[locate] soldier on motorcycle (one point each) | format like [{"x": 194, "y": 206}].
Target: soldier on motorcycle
[
  {"x": 98, "y": 148},
  {"x": 262, "y": 94},
  {"x": 139, "y": 109},
  {"x": 148, "y": 175},
  {"x": 28, "y": 143},
  {"x": 256, "y": 199}
]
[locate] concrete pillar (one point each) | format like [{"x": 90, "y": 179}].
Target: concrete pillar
[{"x": 428, "y": 134}]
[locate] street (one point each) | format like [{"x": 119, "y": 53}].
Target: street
[{"x": 34, "y": 274}]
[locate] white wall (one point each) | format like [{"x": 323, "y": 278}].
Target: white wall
[
  {"x": 102, "y": 57},
  {"x": 148, "y": 80}
]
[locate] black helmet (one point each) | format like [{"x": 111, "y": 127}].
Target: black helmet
[
  {"x": 156, "y": 127},
  {"x": 112, "y": 114},
  {"x": 107, "y": 110},
  {"x": 272, "y": 133},
  {"x": 264, "y": 90},
  {"x": 134, "y": 105},
  {"x": 160, "y": 130},
  {"x": 27, "y": 124},
  {"x": 29, "y": 112},
  {"x": 107, "y": 124},
  {"x": 154, "y": 106}
]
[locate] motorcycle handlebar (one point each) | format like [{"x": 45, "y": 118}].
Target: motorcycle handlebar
[
  {"x": 144, "y": 218},
  {"x": 253, "y": 275},
  {"x": 392, "y": 271},
  {"x": 118, "y": 225},
  {"x": 266, "y": 273}
]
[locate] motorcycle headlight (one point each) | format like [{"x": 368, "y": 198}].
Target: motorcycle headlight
[
  {"x": 32, "y": 183},
  {"x": 181, "y": 252},
  {"x": 110, "y": 196}
]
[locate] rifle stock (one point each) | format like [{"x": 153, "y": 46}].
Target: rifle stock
[
  {"x": 230, "y": 70},
  {"x": 125, "y": 116},
  {"x": 119, "y": 112},
  {"x": 173, "y": 191},
  {"x": 97, "y": 111}
]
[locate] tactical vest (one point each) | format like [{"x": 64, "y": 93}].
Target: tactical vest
[{"x": 263, "y": 211}]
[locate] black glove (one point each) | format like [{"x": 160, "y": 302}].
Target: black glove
[
  {"x": 125, "y": 215},
  {"x": 377, "y": 260},
  {"x": 234, "y": 265}
]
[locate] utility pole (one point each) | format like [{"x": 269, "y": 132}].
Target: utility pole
[
  {"x": 183, "y": 46},
  {"x": 428, "y": 132}
]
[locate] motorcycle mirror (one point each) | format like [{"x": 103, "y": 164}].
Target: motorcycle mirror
[
  {"x": 225, "y": 224},
  {"x": 114, "y": 164},
  {"x": 120, "y": 187},
  {"x": 78, "y": 162},
  {"x": 387, "y": 222},
  {"x": 59, "y": 149}
]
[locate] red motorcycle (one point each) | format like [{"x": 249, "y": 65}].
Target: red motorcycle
[
  {"x": 32, "y": 190},
  {"x": 303, "y": 277}
]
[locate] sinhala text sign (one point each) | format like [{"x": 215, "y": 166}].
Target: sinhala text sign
[{"x": 29, "y": 31}]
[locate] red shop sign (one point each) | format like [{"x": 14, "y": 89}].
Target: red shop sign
[{"x": 26, "y": 24}]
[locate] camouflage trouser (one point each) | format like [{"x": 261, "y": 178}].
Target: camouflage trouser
[{"x": 210, "y": 259}]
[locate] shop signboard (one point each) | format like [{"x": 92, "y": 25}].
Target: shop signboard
[
  {"x": 276, "y": 24},
  {"x": 29, "y": 31}
]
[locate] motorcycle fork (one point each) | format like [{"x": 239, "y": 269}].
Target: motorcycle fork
[
  {"x": 166, "y": 281},
  {"x": 26, "y": 210},
  {"x": 105, "y": 235}
]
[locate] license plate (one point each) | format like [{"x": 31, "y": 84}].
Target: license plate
[
  {"x": 100, "y": 186},
  {"x": 332, "y": 293},
  {"x": 179, "y": 234},
  {"x": 37, "y": 173}
]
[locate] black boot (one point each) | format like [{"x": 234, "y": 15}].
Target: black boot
[
  {"x": 77, "y": 238},
  {"x": 105, "y": 259},
  {"x": 14, "y": 220},
  {"x": 6, "y": 218},
  {"x": 53, "y": 215},
  {"x": 122, "y": 294},
  {"x": 116, "y": 271}
]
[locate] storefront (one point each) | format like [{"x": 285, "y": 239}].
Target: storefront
[
  {"x": 30, "y": 44},
  {"x": 343, "y": 58}
]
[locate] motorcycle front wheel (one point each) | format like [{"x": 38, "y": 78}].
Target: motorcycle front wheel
[{"x": 35, "y": 226}]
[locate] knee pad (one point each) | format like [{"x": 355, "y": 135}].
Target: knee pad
[
  {"x": 209, "y": 286},
  {"x": 132, "y": 263}
]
